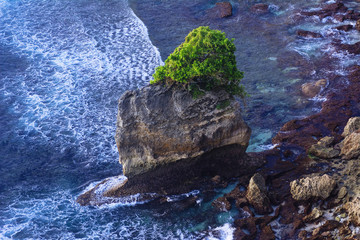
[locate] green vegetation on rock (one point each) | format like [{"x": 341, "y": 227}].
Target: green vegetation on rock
[{"x": 205, "y": 61}]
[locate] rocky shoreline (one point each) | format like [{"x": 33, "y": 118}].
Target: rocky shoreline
[{"x": 308, "y": 186}]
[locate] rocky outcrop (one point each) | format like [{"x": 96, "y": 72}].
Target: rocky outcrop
[
  {"x": 158, "y": 125},
  {"x": 324, "y": 148},
  {"x": 309, "y": 187},
  {"x": 257, "y": 195},
  {"x": 351, "y": 146},
  {"x": 352, "y": 125},
  {"x": 353, "y": 209}
]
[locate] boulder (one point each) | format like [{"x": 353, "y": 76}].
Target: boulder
[
  {"x": 324, "y": 149},
  {"x": 257, "y": 195},
  {"x": 260, "y": 8},
  {"x": 312, "y": 89},
  {"x": 222, "y": 10},
  {"x": 351, "y": 146},
  {"x": 157, "y": 125},
  {"x": 352, "y": 125},
  {"x": 314, "y": 215},
  {"x": 309, "y": 187}
]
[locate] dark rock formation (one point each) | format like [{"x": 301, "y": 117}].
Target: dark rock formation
[
  {"x": 221, "y": 204},
  {"x": 260, "y": 8},
  {"x": 158, "y": 125},
  {"x": 257, "y": 195},
  {"x": 312, "y": 187},
  {"x": 308, "y": 34}
]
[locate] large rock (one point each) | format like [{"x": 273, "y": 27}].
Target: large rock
[
  {"x": 157, "y": 125},
  {"x": 309, "y": 187},
  {"x": 353, "y": 209},
  {"x": 221, "y": 10},
  {"x": 312, "y": 89},
  {"x": 257, "y": 195},
  {"x": 351, "y": 146},
  {"x": 324, "y": 149},
  {"x": 352, "y": 125}
]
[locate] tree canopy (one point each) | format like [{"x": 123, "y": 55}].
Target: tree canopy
[{"x": 205, "y": 61}]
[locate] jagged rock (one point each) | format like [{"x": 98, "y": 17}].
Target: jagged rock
[
  {"x": 316, "y": 186},
  {"x": 323, "y": 149},
  {"x": 260, "y": 8},
  {"x": 353, "y": 209},
  {"x": 312, "y": 89},
  {"x": 222, "y": 10},
  {"x": 221, "y": 204},
  {"x": 327, "y": 227},
  {"x": 257, "y": 195},
  {"x": 308, "y": 34},
  {"x": 157, "y": 125},
  {"x": 314, "y": 215},
  {"x": 267, "y": 234},
  {"x": 352, "y": 125},
  {"x": 351, "y": 146}
]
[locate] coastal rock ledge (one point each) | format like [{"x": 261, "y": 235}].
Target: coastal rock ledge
[{"x": 170, "y": 142}]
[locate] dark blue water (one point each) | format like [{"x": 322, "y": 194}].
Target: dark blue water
[{"x": 63, "y": 66}]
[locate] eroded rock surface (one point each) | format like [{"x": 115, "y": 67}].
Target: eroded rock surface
[
  {"x": 157, "y": 125},
  {"x": 324, "y": 149},
  {"x": 257, "y": 195},
  {"x": 352, "y": 125},
  {"x": 309, "y": 187},
  {"x": 351, "y": 146}
]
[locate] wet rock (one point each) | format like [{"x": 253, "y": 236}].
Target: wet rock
[
  {"x": 353, "y": 210},
  {"x": 308, "y": 34},
  {"x": 342, "y": 193},
  {"x": 303, "y": 234},
  {"x": 335, "y": 7},
  {"x": 157, "y": 125},
  {"x": 352, "y": 125},
  {"x": 351, "y": 146},
  {"x": 327, "y": 227},
  {"x": 221, "y": 204},
  {"x": 267, "y": 234},
  {"x": 309, "y": 187},
  {"x": 323, "y": 149},
  {"x": 351, "y": 48},
  {"x": 222, "y": 10},
  {"x": 260, "y": 8},
  {"x": 312, "y": 89},
  {"x": 216, "y": 179},
  {"x": 339, "y": 17},
  {"x": 357, "y": 25},
  {"x": 247, "y": 224},
  {"x": 257, "y": 195},
  {"x": 314, "y": 215},
  {"x": 345, "y": 28},
  {"x": 241, "y": 202}
]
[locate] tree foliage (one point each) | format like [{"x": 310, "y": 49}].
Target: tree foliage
[{"x": 204, "y": 61}]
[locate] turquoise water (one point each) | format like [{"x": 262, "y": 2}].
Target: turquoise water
[{"x": 63, "y": 66}]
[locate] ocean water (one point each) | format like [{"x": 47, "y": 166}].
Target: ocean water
[{"x": 63, "y": 66}]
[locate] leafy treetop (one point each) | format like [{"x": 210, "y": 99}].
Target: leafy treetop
[{"x": 205, "y": 60}]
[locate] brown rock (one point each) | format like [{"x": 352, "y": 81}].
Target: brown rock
[
  {"x": 312, "y": 89},
  {"x": 257, "y": 195},
  {"x": 357, "y": 26},
  {"x": 328, "y": 226},
  {"x": 248, "y": 224},
  {"x": 308, "y": 34},
  {"x": 216, "y": 179},
  {"x": 221, "y": 204},
  {"x": 352, "y": 125},
  {"x": 314, "y": 215},
  {"x": 317, "y": 186},
  {"x": 351, "y": 146},
  {"x": 353, "y": 210},
  {"x": 323, "y": 149},
  {"x": 267, "y": 234},
  {"x": 260, "y": 8},
  {"x": 342, "y": 193},
  {"x": 223, "y": 9}
]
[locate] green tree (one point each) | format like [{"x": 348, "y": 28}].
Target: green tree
[{"x": 205, "y": 61}]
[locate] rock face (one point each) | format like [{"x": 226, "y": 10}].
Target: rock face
[
  {"x": 257, "y": 195},
  {"x": 352, "y": 125},
  {"x": 351, "y": 146},
  {"x": 158, "y": 125},
  {"x": 317, "y": 186}
]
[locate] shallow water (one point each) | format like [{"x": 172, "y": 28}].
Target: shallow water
[{"x": 63, "y": 66}]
